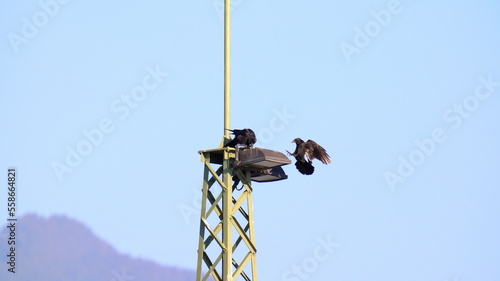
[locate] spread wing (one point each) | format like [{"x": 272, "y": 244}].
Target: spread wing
[{"x": 316, "y": 151}]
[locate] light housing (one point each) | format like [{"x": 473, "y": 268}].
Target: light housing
[{"x": 264, "y": 164}]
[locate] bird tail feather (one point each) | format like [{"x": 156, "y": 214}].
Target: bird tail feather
[{"x": 305, "y": 168}]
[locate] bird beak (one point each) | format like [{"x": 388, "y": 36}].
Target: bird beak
[{"x": 292, "y": 141}]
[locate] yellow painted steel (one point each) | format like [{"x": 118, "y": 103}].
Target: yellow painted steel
[
  {"x": 227, "y": 68},
  {"x": 227, "y": 237},
  {"x": 227, "y": 228},
  {"x": 232, "y": 210}
]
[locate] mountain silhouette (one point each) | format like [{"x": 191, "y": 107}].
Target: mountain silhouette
[{"x": 59, "y": 248}]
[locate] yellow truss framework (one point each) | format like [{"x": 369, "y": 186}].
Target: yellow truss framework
[{"x": 226, "y": 221}]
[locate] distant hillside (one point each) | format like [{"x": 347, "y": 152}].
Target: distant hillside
[{"x": 62, "y": 249}]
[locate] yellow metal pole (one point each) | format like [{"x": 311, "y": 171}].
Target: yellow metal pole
[
  {"x": 227, "y": 169},
  {"x": 201, "y": 243},
  {"x": 231, "y": 269},
  {"x": 227, "y": 226},
  {"x": 227, "y": 68}
]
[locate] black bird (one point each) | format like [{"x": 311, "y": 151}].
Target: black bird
[
  {"x": 311, "y": 150},
  {"x": 244, "y": 137}
]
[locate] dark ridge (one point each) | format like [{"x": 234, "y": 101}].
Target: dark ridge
[{"x": 59, "y": 248}]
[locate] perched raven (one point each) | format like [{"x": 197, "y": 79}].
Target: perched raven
[
  {"x": 245, "y": 137},
  {"x": 311, "y": 150}
]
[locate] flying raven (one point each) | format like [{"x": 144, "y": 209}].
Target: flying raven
[
  {"x": 311, "y": 150},
  {"x": 245, "y": 137}
]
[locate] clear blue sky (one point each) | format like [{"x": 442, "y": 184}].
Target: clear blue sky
[{"x": 404, "y": 95}]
